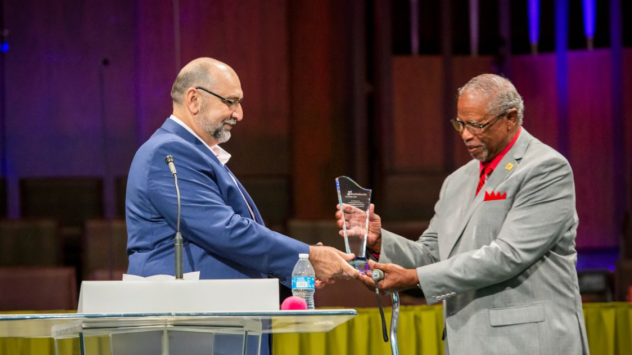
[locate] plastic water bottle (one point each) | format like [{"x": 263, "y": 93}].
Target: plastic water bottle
[{"x": 303, "y": 280}]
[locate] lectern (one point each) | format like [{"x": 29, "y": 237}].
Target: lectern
[
  {"x": 154, "y": 333},
  {"x": 198, "y": 323}
]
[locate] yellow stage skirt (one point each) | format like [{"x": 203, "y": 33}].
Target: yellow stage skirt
[{"x": 609, "y": 327}]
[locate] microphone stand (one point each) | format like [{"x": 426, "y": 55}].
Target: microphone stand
[
  {"x": 378, "y": 275},
  {"x": 4, "y": 158},
  {"x": 394, "y": 320},
  {"x": 178, "y": 239},
  {"x": 108, "y": 188}
]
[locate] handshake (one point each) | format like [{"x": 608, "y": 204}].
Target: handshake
[{"x": 330, "y": 263}]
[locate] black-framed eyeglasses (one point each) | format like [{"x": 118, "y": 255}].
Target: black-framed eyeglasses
[
  {"x": 231, "y": 103},
  {"x": 473, "y": 127}
]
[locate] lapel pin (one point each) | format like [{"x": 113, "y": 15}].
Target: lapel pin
[{"x": 509, "y": 166}]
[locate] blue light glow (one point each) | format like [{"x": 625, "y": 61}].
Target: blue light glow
[
  {"x": 590, "y": 11},
  {"x": 534, "y": 21}
]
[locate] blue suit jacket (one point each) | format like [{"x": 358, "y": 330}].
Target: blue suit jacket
[{"x": 221, "y": 240}]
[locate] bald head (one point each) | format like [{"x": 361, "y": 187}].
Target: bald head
[
  {"x": 204, "y": 72},
  {"x": 207, "y": 98},
  {"x": 500, "y": 92}
]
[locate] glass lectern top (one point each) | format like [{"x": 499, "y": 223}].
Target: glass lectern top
[{"x": 40, "y": 325}]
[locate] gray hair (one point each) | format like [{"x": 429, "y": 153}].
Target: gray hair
[{"x": 502, "y": 93}]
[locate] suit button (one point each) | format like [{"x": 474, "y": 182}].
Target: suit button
[{"x": 283, "y": 279}]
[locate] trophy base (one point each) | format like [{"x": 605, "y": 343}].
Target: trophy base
[{"x": 360, "y": 264}]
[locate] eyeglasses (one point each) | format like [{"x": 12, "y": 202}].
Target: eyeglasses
[
  {"x": 230, "y": 103},
  {"x": 474, "y": 128}
]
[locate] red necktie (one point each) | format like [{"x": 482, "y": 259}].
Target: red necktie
[{"x": 486, "y": 172}]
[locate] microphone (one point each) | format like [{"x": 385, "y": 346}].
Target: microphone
[
  {"x": 377, "y": 275},
  {"x": 172, "y": 167},
  {"x": 178, "y": 239}
]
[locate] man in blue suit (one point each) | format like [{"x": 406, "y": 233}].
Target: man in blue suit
[{"x": 224, "y": 235}]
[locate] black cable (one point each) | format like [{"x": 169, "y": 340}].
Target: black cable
[{"x": 378, "y": 275}]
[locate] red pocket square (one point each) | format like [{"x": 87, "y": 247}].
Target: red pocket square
[{"x": 493, "y": 196}]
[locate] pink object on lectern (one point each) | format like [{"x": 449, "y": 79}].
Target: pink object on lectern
[{"x": 292, "y": 303}]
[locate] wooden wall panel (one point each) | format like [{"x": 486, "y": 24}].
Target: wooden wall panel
[
  {"x": 465, "y": 68},
  {"x": 155, "y": 65},
  {"x": 417, "y": 110},
  {"x": 313, "y": 144},
  {"x": 252, "y": 37},
  {"x": 590, "y": 131},
  {"x": 322, "y": 89},
  {"x": 591, "y": 146},
  {"x": 627, "y": 121},
  {"x": 298, "y": 62},
  {"x": 417, "y": 114},
  {"x": 534, "y": 78}
]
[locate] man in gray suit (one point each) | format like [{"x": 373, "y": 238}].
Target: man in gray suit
[{"x": 500, "y": 249}]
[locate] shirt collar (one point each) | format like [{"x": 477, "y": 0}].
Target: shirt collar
[
  {"x": 494, "y": 163},
  {"x": 222, "y": 155}
]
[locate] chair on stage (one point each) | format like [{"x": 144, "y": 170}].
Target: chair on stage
[
  {"x": 410, "y": 197},
  {"x": 596, "y": 285},
  {"x": 70, "y": 200},
  {"x": 3, "y": 198},
  {"x": 30, "y": 243},
  {"x": 271, "y": 194},
  {"x": 37, "y": 288},
  {"x": 314, "y": 231},
  {"x": 348, "y": 294},
  {"x": 623, "y": 280},
  {"x": 104, "y": 249},
  {"x": 121, "y": 189},
  {"x": 623, "y": 271}
]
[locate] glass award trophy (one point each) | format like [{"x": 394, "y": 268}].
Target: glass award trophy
[{"x": 355, "y": 202}]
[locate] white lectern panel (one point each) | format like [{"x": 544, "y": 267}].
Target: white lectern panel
[{"x": 179, "y": 296}]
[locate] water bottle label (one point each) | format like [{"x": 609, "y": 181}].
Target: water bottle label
[{"x": 303, "y": 282}]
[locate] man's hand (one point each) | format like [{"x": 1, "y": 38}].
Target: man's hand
[
  {"x": 396, "y": 278},
  {"x": 320, "y": 284},
  {"x": 329, "y": 263},
  {"x": 354, "y": 217}
]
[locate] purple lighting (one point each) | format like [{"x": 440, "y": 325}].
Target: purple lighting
[
  {"x": 589, "y": 18},
  {"x": 534, "y": 21}
]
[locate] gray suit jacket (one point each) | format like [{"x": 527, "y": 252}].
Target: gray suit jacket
[{"x": 504, "y": 268}]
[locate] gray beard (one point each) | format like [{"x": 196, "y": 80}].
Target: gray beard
[
  {"x": 217, "y": 130},
  {"x": 221, "y": 135},
  {"x": 483, "y": 158}
]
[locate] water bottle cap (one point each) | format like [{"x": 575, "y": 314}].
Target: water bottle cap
[{"x": 303, "y": 256}]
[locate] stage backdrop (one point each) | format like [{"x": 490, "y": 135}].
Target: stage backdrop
[
  {"x": 88, "y": 82},
  {"x": 418, "y": 118}
]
